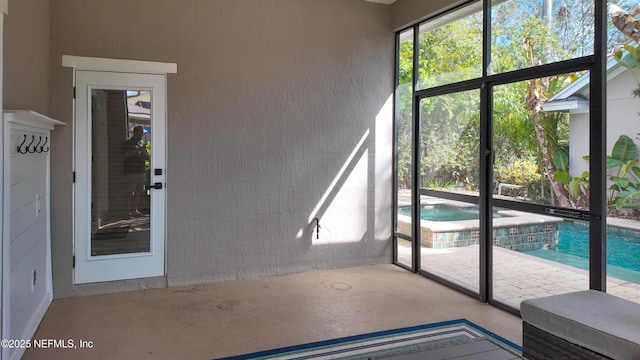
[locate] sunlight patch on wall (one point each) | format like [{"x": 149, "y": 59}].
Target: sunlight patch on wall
[
  {"x": 382, "y": 178},
  {"x": 342, "y": 209},
  {"x": 345, "y": 219}
]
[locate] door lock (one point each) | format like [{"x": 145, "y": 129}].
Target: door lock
[{"x": 157, "y": 185}]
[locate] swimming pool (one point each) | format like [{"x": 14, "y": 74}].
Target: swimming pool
[
  {"x": 623, "y": 250},
  {"x": 443, "y": 212},
  {"x": 455, "y": 224}
]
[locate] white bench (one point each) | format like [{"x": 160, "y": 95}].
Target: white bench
[
  {"x": 580, "y": 325},
  {"x": 508, "y": 186}
]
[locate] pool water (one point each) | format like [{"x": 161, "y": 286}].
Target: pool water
[
  {"x": 441, "y": 212},
  {"x": 623, "y": 246},
  {"x": 623, "y": 250}
]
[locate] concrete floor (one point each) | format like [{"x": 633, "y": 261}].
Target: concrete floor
[{"x": 231, "y": 318}]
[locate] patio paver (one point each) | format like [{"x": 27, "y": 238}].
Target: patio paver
[{"x": 516, "y": 276}]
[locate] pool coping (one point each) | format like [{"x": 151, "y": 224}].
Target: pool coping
[
  {"x": 512, "y": 218},
  {"x": 623, "y": 223}
]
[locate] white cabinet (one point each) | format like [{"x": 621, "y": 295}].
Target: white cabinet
[{"x": 26, "y": 244}]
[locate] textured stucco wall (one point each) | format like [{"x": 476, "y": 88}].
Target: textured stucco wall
[
  {"x": 26, "y": 56},
  {"x": 280, "y": 112}
]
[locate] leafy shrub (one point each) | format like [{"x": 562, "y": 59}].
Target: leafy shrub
[
  {"x": 524, "y": 172},
  {"x": 625, "y": 190},
  {"x": 624, "y": 177}
]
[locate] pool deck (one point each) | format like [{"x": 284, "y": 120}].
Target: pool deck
[{"x": 516, "y": 276}]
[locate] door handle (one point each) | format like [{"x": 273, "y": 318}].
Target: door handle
[{"x": 157, "y": 185}]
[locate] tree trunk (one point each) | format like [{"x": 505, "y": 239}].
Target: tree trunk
[
  {"x": 558, "y": 188},
  {"x": 547, "y": 6},
  {"x": 534, "y": 104}
]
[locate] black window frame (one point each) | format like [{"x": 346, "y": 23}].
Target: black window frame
[{"x": 596, "y": 214}]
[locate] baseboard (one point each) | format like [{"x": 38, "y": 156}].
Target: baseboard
[{"x": 33, "y": 324}]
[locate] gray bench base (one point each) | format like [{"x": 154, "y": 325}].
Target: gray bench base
[
  {"x": 538, "y": 344},
  {"x": 602, "y": 323}
]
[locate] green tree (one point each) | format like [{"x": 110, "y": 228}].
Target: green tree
[
  {"x": 450, "y": 123},
  {"x": 404, "y": 114},
  {"x": 526, "y": 41},
  {"x": 521, "y": 37}
]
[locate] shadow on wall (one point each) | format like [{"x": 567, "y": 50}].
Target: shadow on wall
[{"x": 348, "y": 209}]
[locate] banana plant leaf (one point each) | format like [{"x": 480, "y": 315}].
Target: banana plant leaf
[
  {"x": 621, "y": 182},
  {"x": 561, "y": 161},
  {"x": 625, "y": 59},
  {"x": 627, "y": 166},
  {"x": 625, "y": 200},
  {"x": 624, "y": 150},
  {"x": 580, "y": 184},
  {"x": 563, "y": 177}
]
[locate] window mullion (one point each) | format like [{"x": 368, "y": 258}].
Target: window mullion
[
  {"x": 597, "y": 143},
  {"x": 415, "y": 178}
]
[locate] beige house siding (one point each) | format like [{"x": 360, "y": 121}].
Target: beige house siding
[
  {"x": 622, "y": 119},
  {"x": 26, "y": 56}
]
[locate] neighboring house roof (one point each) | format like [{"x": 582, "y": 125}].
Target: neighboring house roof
[
  {"x": 571, "y": 98},
  {"x": 575, "y": 104},
  {"x": 144, "y": 104},
  {"x": 138, "y": 110},
  {"x": 138, "y": 113}
]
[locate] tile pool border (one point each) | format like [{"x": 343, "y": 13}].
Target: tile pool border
[
  {"x": 515, "y": 230},
  {"x": 523, "y": 234}
]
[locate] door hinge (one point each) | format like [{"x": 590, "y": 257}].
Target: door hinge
[
  {"x": 74, "y": 92},
  {"x": 74, "y": 177},
  {"x": 74, "y": 262}
]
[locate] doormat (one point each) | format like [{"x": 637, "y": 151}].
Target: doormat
[{"x": 453, "y": 336}]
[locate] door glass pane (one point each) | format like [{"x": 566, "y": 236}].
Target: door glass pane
[
  {"x": 450, "y": 142},
  {"x": 450, "y": 240},
  {"x": 537, "y": 255},
  {"x": 121, "y": 148},
  {"x": 541, "y": 141},
  {"x": 623, "y": 175},
  {"x": 449, "y": 162},
  {"x": 530, "y": 33},
  {"x": 404, "y": 131}
]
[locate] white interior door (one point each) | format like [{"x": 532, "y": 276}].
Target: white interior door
[{"x": 120, "y": 151}]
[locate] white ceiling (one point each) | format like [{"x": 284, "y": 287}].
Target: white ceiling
[{"x": 388, "y": 2}]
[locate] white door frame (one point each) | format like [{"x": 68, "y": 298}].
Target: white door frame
[{"x": 117, "y": 74}]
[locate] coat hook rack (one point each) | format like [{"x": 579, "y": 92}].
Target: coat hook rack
[
  {"x": 42, "y": 149},
  {"x": 19, "y": 149},
  {"x": 38, "y": 148},
  {"x": 35, "y": 148},
  {"x": 33, "y": 138}
]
